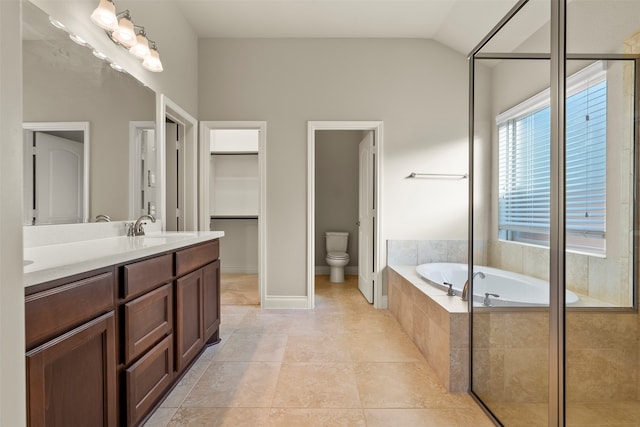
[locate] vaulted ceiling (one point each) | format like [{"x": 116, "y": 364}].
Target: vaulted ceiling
[{"x": 458, "y": 24}]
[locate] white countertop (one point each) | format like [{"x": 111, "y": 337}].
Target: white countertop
[{"x": 50, "y": 262}]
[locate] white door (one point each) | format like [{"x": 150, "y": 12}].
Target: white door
[
  {"x": 58, "y": 180},
  {"x": 366, "y": 218}
]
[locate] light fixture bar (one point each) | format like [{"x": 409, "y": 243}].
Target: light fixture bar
[{"x": 123, "y": 32}]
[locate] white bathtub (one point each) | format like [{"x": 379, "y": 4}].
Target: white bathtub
[{"x": 514, "y": 289}]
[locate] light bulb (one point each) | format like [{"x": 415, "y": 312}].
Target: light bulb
[
  {"x": 105, "y": 15},
  {"x": 125, "y": 34},
  {"x": 141, "y": 49},
  {"x": 152, "y": 62},
  {"x": 78, "y": 40}
]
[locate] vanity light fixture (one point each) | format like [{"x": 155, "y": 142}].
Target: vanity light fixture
[
  {"x": 105, "y": 15},
  {"x": 152, "y": 62},
  {"x": 99, "y": 54},
  {"x": 126, "y": 34},
  {"x": 57, "y": 23},
  {"x": 77, "y": 39},
  {"x": 141, "y": 48},
  {"x": 117, "y": 67}
]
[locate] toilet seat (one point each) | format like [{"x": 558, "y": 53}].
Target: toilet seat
[{"x": 337, "y": 255}]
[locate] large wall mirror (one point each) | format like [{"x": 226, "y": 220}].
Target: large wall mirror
[{"x": 65, "y": 82}]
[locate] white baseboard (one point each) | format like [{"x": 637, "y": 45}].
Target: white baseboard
[
  {"x": 285, "y": 302},
  {"x": 384, "y": 302},
  {"x": 325, "y": 269},
  {"x": 231, "y": 269}
]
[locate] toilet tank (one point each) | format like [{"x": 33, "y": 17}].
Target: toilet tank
[{"x": 336, "y": 241}]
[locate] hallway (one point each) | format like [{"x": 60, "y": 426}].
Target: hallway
[{"x": 342, "y": 364}]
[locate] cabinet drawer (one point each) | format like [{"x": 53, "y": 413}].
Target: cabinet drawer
[
  {"x": 144, "y": 275},
  {"x": 189, "y": 259},
  {"x": 148, "y": 378},
  {"x": 55, "y": 311},
  {"x": 147, "y": 319}
]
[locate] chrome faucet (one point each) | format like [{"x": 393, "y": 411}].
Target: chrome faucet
[
  {"x": 487, "y": 300},
  {"x": 450, "y": 291},
  {"x": 478, "y": 273},
  {"x": 103, "y": 218},
  {"x": 465, "y": 289},
  {"x": 137, "y": 227}
]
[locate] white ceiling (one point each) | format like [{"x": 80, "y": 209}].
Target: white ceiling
[{"x": 459, "y": 24}]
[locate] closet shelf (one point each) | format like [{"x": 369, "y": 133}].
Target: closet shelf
[
  {"x": 234, "y": 216},
  {"x": 234, "y": 153}
]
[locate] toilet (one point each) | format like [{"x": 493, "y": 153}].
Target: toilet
[{"x": 337, "y": 256}]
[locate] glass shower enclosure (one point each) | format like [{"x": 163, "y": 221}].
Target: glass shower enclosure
[{"x": 555, "y": 331}]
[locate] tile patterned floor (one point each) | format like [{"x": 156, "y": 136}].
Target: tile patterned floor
[
  {"x": 239, "y": 289},
  {"x": 342, "y": 364}
]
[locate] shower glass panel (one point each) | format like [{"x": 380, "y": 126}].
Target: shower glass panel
[
  {"x": 558, "y": 207},
  {"x": 602, "y": 328},
  {"x": 511, "y": 224}
]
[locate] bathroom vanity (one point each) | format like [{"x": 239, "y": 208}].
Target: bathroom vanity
[{"x": 104, "y": 345}]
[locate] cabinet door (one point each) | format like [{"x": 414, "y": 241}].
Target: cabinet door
[
  {"x": 71, "y": 379},
  {"x": 211, "y": 309},
  {"x": 189, "y": 318}
]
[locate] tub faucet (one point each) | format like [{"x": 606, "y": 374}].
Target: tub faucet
[
  {"x": 137, "y": 228},
  {"x": 450, "y": 290},
  {"x": 487, "y": 300},
  {"x": 465, "y": 289}
]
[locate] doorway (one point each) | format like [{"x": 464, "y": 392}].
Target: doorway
[
  {"x": 178, "y": 164},
  {"x": 366, "y": 227},
  {"x": 233, "y": 189}
]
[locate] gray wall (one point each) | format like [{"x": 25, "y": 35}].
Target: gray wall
[
  {"x": 417, "y": 87},
  {"x": 337, "y": 189}
]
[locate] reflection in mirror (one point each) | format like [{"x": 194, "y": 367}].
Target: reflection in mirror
[
  {"x": 63, "y": 81},
  {"x": 56, "y": 173}
]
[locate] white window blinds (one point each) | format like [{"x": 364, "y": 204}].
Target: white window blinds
[{"x": 524, "y": 165}]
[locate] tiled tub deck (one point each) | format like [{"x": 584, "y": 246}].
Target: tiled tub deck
[{"x": 438, "y": 324}]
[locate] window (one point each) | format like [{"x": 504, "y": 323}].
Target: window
[{"x": 524, "y": 165}]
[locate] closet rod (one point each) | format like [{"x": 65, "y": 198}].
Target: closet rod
[{"x": 413, "y": 175}]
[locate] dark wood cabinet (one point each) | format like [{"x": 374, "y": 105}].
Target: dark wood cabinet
[
  {"x": 71, "y": 379},
  {"x": 147, "y": 319},
  {"x": 104, "y": 347},
  {"x": 148, "y": 379},
  {"x": 211, "y": 310},
  {"x": 189, "y": 318}
]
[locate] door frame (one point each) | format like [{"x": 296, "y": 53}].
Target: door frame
[
  {"x": 378, "y": 241},
  {"x": 205, "y": 150},
  {"x": 166, "y": 108},
  {"x": 134, "y": 163}
]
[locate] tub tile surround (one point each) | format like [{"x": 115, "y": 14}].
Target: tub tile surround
[
  {"x": 599, "y": 281},
  {"x": 438, "y": 324}
]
